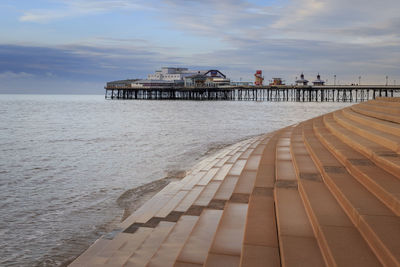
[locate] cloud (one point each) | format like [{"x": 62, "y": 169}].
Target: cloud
[
  {"x": 42, "y": 16},
  {"x": 79, "y": 63},
  {"x": 237, "y": 36},
  {"x": 71, "y": 69},
  {"x": 340, "y": 21},
  {"x": 320, "y": 20},
  {"x": 75, "y": 8},
  {"x": 287, "y": 58},
  {"x": 303, "y": 10},
  {"x": 217, "y": 18},
  {"x": 15, "y": 75}
]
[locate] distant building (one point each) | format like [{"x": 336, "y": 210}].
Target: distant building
[
  {"x": 318, "y": 81},
  {"x": 277, "y": 81},
  {"x": 156, "y": 83},
  {"x": 174, "y": 77},
  {"x": 240, "y": 83},
  {"x": 171, "y": 74},
  {"x": 121, "y": 83},
  {"x": 196, "y": 80},
  {"x": 211, "y": 78},
  {"x": 302, "y": 81}
]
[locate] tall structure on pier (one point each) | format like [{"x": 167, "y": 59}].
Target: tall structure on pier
[
  {"x": 318, "y": 81},
  {"x": 259, "y": 78},
  {"x": 302, "y": 81}
]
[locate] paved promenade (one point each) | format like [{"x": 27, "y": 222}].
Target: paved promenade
[{"x": 325, "y": 192}]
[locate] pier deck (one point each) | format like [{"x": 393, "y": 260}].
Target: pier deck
[
  {"x": 325, "y": 192},
  {"x": 257, "y": 93}
]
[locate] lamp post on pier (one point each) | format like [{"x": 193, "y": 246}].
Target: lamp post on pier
[
  {"x": 387, "y": 77},
  {"x": 334, "y": 80},
  {"x": 359, "y": 80}
]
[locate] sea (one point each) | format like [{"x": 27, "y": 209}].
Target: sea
[{"x": 66, "y": 160}]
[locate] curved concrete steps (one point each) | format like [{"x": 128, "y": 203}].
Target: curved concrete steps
[
  {"x": 382, "y": 156},
  {"x": 325, "y": 192},
  {"x": 361, "y": 206},
  {"x": 340, "y": 242},
  {"x": 376, "y": 114},
  {"x": 382, "y": 184},
  {"x": 260, "y": 242},
  {"x": 382, "y": 106},
  {"x": 297, "y": 242},
  {"x": 385, "y": 126},
  {"x": 387, "y": 140}
]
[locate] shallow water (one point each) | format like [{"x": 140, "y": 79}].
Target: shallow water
[{"x": 65, "y": 160}]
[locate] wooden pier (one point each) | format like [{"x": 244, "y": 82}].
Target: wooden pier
[{"x": 344, "y": 93}]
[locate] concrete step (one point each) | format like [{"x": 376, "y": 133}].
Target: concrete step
[
  {"x": 359, "y": 204},
  {"x": 139, "y": 242},
  {"x": 120, "y": 255},
  {"x": 384, "y": 108},
  {"x": 297, "y": 243},
  {"x": 85, "y": 258},
  {"x": 168, "y": 206},
  {"x": 340, "y": 242},
  {"x": 142, "y": 255},
  {"x": 383, "y": 157},
  {"x": 390, "y": 101},
  {"x": 210, "y": 205},
  {"x": 169, "y": 250},
  {"x": 388, "y": 140},
  {"x": 382, "y": 184},
  {"x": 152, "y": 206},
  {"x": 260, "y": 243},
  {"x": 195, "y": 250},
  {"x": 376, "y": 114},
  {"x": 385, "y": 126},
  {"x": 228, "y": 239}
]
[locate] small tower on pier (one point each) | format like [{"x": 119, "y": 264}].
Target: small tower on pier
[
  {"x": 259, "y": 78},
  {"x": 318, "y": 81},
  {"x": 302, "y": 81}
]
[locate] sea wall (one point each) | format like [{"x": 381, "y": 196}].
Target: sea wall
[{"x": 322, "y": 192}]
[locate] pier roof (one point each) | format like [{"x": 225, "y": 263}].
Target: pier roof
[{"x": 325, "y": 192}]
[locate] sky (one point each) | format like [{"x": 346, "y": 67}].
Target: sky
[{"x": 76, "y": 46}]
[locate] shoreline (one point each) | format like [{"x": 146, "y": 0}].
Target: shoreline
[{"x": 132, "y": 199}]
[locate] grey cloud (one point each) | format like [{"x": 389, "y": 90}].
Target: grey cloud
[
  {"x": 333, "y": 20},
  {"x": 42, "y": 67},
  {"x": 282, "y": 57},
  {"x": 217, "y": 19}
]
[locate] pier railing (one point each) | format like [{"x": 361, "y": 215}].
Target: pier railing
[{"x": 343, "y": 93}]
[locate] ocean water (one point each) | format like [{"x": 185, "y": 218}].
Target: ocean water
[{"x": 65, "y": 160}]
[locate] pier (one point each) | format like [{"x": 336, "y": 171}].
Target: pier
[{"x": 287, "y": 93}]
